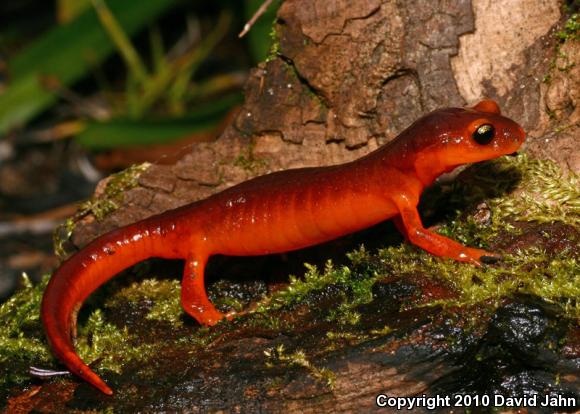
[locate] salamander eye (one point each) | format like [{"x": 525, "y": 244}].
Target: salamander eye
[{"x": 484, "y": 134}]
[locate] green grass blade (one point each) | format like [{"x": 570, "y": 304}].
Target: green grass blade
[
  {"x": 128, "y": 132},
  {"x": 157, "y": 50},
  {"x": 65, "y": 54},
  {"x": 191, "y": 61},
  {"x": 66, "y": 10},
  {"x": 259, "y": 37},
  {"x": 121, "y": 40}
]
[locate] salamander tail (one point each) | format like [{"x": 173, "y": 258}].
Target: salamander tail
[{"x": 84, "y": 272}]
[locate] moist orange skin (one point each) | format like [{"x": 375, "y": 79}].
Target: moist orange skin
[{"x": 283, "y": 211}]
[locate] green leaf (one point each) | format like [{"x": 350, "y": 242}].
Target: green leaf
[
  {"x": 129, "y": 132},
  {"x": 64, "y": 55},
  {"x": 259, "y": 36}
]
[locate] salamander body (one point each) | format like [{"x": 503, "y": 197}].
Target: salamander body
[{"x": 285, "y": 211}]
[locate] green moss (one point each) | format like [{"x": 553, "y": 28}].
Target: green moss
[
  {"x": 21, "y": 339},
  {"x": 164, "y": 295},
  {"x": 571, "y": 30},
  {"x": 298, "y": 289},
  {"x": 554, "y": 279},
  {"x": 382, "y": 332},
  {"x": 349, "y": 336},
  {"x": 306, "y": 88},
  {"x": 249, "y": 162},
  {"x": 22, "y": 342},
  {"x": 337, "y": 340},
  {"x": 545, "y": 195},
  {"x": 275, "y": 45},
  {"x": 278, "y": 356},
  {"x": 548, "y": 80},
  {"x": 100, "y": 206},
  {"x": 112, "y": 347}
]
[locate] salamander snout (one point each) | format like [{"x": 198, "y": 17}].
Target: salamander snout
[{"x": 512, "y": 137}]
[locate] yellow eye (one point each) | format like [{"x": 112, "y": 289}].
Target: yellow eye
[{"x": 484, "y": 134}]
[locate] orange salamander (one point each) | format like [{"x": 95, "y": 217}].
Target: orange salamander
[{"x": 285, "y": 211}]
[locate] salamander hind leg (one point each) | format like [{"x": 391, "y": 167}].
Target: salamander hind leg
[{"x": 194, "y": 298}]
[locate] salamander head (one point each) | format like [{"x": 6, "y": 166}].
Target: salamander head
[{"x": 450, "y": 137}]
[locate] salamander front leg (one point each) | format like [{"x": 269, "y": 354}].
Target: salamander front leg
[
  {"x": 409, "y": 223},
  {"x": 398, "y": 222},
  {"x": 193, "y": 295}
]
